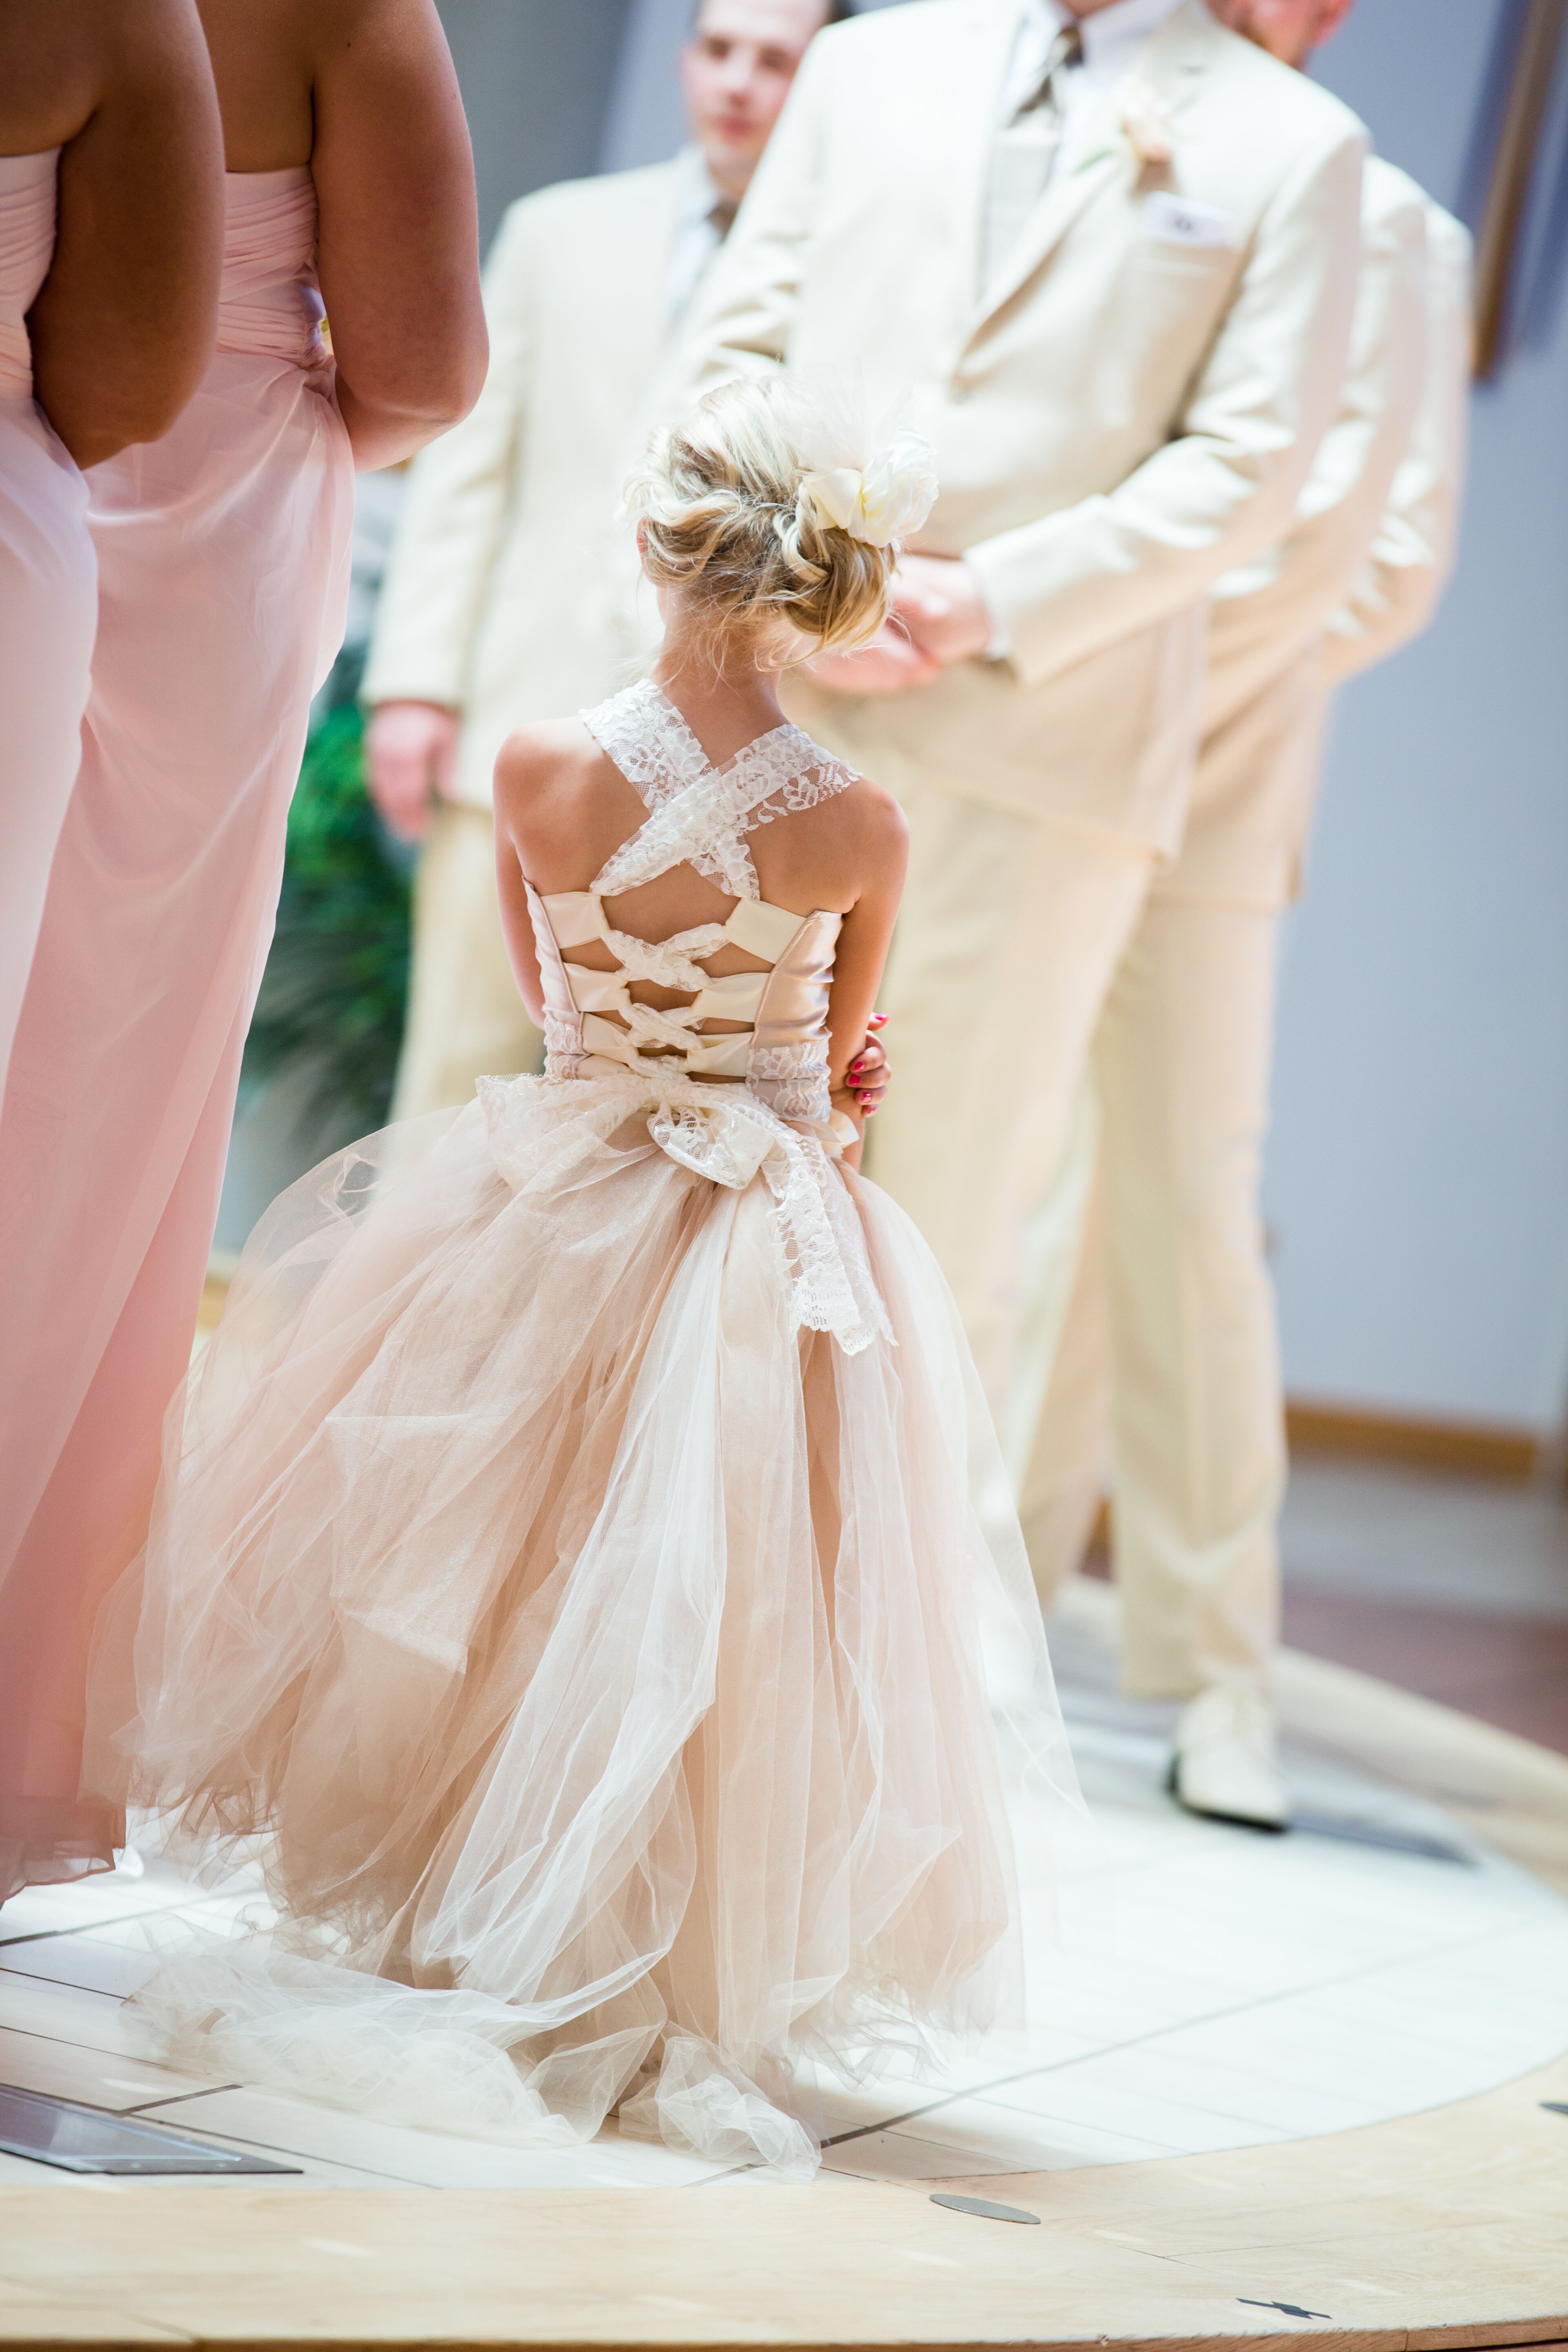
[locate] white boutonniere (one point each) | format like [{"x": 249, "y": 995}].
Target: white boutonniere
[{"x": 1146, "y": 127}]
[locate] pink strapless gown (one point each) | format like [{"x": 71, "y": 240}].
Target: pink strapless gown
[
  {"x": 49, "y": 593},
  {"x": 223, "y": 561}
]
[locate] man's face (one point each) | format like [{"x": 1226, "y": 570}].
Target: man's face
[
  {"x": 736, "y": 70},
  {"x": 1288, "y": 29}
]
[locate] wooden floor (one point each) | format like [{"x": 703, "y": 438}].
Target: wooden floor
[
  {"x": 1510, "y": 1671},
  {"x": 1444, "y": 2228},
  {"x": 1407, "y": 2236},
  {"x": 1424, "y": 2233}
]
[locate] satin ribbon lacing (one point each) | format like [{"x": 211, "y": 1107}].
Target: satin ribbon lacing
[{"x": 722, "y": 1132}]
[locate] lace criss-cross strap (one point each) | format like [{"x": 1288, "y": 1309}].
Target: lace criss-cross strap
[
  {"x": 774, "y": 1117},
  {"x": 699, "y": 816}
]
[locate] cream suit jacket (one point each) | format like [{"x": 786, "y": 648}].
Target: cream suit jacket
[
  {"x": 1127, "y": 413},
  {"x": 1264, "y": 703},
  {"x": 1395, "y": 594},
  {"x": 499, "y": 600},
  {"x": 1361, "y": 572}
]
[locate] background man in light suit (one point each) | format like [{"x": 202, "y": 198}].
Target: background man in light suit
[
  {"x": 494, "y": 609},
  {"x": 1105, "y": 259},
  {"x": 1179, "y": 1385}
]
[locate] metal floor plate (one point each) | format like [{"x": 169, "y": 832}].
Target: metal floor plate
[{"x": 79, "y": 2139}]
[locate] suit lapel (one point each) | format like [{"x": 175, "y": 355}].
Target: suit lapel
[{"x": 1169, "y": 66}]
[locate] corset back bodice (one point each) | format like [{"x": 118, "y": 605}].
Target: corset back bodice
[
  {"x": 27, "y": 201},
  {"x": 698, "y": 815},
  {"x": 271, "y": 303}
]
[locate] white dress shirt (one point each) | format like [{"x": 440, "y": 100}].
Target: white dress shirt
[
  {"x": 1111, "y": 38},
  {"x": 700, "y": 230}
]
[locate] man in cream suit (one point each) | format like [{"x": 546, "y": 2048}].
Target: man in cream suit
[
  {"x": 495, "y": 609},
  {"x": 1104, "y": 258},
  {"x": 1168, "y": 1363}
]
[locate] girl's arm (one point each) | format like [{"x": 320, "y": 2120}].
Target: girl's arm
[
  {"x": 518, "y": 772},
  {"x": 862, "y": 951}
]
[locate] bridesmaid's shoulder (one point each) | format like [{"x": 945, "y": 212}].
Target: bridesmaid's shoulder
[{"x": 333, "y": 26}]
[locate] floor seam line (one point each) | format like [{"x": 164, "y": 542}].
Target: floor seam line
[
  {"x": 1139, "y": 2041},
  {"x": 179, "y": 2098},
  {"x": 126, "y": 1919}
]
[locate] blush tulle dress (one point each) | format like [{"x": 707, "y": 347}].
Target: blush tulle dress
[
  {"x": 48, "y": 592},
  {"x": 223, "y": 565},
  {"x": 566, "y": 1586}
]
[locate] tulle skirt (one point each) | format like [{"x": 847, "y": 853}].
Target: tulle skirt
[{"x": 609, "y": 1675}]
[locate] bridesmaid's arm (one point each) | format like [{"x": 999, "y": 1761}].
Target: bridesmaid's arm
[
  {"x": 124, "y": 325},
  {"x": 398, "y": 252}
]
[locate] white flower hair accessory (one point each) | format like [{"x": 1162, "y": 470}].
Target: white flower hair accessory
[
  {"x": 1147, "y": 126},
  {"x": 879, "y": 502}
]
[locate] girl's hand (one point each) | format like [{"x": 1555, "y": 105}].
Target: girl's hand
[{"x": 869, "y": 1074}]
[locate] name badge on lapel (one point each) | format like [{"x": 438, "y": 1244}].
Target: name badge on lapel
[{"x": 1176, "y": 220}]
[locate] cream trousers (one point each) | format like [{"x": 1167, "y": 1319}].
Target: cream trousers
[
  {"x": 1009, "y": 935},
  {"x": 1168, "y": 1363},
  {"x": 466, "y": 1019}
]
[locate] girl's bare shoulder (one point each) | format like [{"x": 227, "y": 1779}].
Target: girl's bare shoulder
[
  {"x": 876, "y": 814},
  {"x": 546, "y": 757}
]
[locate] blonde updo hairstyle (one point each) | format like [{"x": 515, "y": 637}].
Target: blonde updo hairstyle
[{"x": 724, "y": 526}]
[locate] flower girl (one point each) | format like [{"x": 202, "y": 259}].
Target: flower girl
[{"x": 566, "y": 1587}]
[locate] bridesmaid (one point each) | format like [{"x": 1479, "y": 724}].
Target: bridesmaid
[
  {"x": 110, "y": 240},
  {"x": 223, "y": 564}
]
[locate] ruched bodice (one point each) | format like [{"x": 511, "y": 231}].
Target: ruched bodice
[
  {"x": 271, "y": 303},
  {"x": 698, "y": 815},
  {"x": 27, "y": 201}
]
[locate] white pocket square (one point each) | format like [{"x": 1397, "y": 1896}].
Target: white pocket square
[{"x": 1176, "y": 220}]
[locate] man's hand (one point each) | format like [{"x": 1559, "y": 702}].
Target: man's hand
[
  {"x": 939, "y": 617},
  {"x": 410, "y": 751},
  {"x": 938, "y": 602},
  {"x": 888, "y": 664}
]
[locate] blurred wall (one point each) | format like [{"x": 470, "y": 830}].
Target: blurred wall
[
  {"x": 1418, "y": 1176},
  {"x": 642, "y": 122},
  {"x": 536, "y": 76}
]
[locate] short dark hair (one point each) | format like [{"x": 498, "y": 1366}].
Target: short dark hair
[{"x": 838, "y": 12}]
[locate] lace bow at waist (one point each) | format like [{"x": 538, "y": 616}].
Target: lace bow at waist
[{"x": 724, "y": 1134}]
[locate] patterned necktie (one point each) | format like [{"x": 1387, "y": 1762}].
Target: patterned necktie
[
  {"x": 1065, "y": 50},
  {"x": 1023, "y": 153},
  {"x": 721, "y": 216}
]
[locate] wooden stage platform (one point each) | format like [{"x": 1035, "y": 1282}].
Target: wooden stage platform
[{"x": 1442, "y": 2225}]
